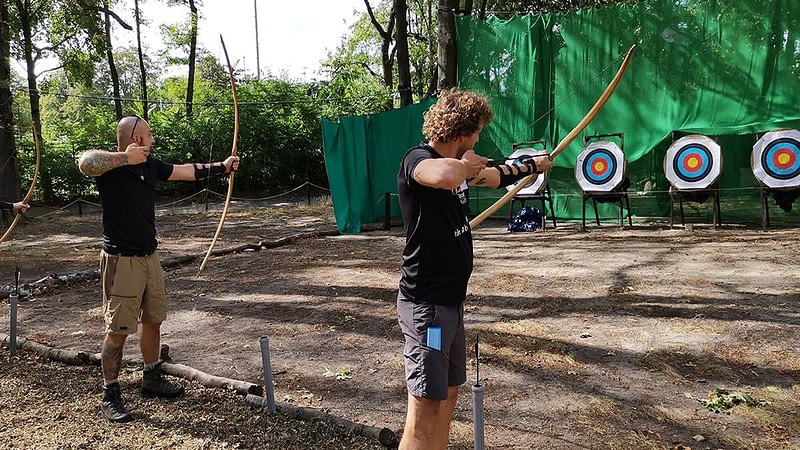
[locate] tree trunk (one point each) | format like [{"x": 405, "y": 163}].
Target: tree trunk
[
  {"x": 192, "y": 57},
  {"x": 141, "y": 59},
  {"x": 387, "y": 58},
  {"x": 482, "y": 10},
  {"x": 10, "y": 189},
  {"x": 112, "y": 67},
  {"x": 447, "y": 44},
  {"x": 403, "y": 64}
]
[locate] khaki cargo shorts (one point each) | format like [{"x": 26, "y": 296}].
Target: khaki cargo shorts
[{"x": 133, "y": 291}]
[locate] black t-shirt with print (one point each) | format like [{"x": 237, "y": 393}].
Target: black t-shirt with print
[
  {"x": 437, "y": 259},
  {"x": 128, "y": 197}
]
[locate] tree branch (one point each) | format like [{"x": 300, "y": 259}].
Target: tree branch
[{"x": 103, "y": 9}]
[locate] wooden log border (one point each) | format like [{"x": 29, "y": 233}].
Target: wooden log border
[{"x": 253, "y": 393}]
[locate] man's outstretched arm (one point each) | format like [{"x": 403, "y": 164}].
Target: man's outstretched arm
[{"x": 191, "y": 172}]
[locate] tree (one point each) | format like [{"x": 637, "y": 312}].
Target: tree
[
  {"x": 387, "y": 51},
  {"x": 403, "y": 69},
  {"x": 447, "y": 43},
  {"x": 110, "y": 56},
  {"x": 185, "y": 35},
  {"x": 142, "y": 69},
  {"x": 70, "y": 30}
]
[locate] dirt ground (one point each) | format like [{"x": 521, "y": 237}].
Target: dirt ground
[{"x": 596, "y": 339}]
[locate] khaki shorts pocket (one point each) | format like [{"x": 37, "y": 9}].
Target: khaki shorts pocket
[{"x": 122, "y": 314}]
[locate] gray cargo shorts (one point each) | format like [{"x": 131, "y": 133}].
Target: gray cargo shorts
[{"x": 435, "y": 348}]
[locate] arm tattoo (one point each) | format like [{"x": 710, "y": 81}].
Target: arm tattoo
[
  {"x": 96, "y": 162},
  {"x": 480, "y": 181},
  {"x": 111, "y": 360}
]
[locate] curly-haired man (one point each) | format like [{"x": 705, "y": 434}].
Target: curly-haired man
[{"x": 437, "y": 259}]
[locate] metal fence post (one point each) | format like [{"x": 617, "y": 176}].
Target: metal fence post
[{"x": 265, "y": 361}]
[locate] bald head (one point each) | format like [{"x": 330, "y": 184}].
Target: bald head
[{"x": 127, "y": 130}]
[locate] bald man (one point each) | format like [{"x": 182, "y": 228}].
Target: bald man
[{"x": 132, "y": 279}]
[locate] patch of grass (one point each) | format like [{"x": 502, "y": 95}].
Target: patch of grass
[
  {"x": 683, "y": 365},
  {"x": 722, "y": 400}
]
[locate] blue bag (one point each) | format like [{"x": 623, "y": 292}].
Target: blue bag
[{"x": 527, "y": 219}]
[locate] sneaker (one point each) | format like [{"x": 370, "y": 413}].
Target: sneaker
[
  {"x": 113, "y": 406},
  {"x": 155, "y": 385}
]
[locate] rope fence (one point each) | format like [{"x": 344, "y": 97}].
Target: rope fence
[{"x": 79, "y": 202}]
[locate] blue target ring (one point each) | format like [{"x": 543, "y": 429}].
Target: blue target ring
[
  {"x": 781, "y": 159},
  {"x": 692, "y": 163},
  {"x": 599, "y": 166}
]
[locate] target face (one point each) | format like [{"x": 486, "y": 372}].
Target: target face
[
  {"x": 693, "y": 162},
  {"x": 600, "y": 167},
  {"x": 534, "y": 187},
  {"x": 776, "y": 159}
]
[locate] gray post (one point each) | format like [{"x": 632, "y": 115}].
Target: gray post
[
  {"x": 13, "y": 331},
  {"x": 477, "y": 416},
  {"x": 268, "y": 387}
]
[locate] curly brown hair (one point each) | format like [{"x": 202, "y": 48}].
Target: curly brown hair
[{"x": 455, "y": 114}]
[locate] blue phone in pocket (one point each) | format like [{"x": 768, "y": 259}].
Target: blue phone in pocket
[{"x": 435, "y": 338}]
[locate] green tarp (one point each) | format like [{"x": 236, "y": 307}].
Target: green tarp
[
  {"x": 730, "y": 70},
  {"x": 362, "y": 157}
]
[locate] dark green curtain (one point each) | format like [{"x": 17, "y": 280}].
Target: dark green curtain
[{"x": 362, "y": 158}]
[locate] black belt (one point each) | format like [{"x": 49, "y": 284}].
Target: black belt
[{"x": 129, "y": 255}]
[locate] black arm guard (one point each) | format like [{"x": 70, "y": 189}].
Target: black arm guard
[
  {"x": 201, "y": 173},
  {"x": 6, "y": 205},
  {"x": 511, "y": 173}
]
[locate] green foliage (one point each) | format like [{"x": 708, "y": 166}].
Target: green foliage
[
  {"x": 722, "y": 401},
  {"x": 342, "y": 375},
  {"x": 354, "y": 83}
]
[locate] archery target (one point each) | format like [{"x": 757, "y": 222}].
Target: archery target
[
  {"x": 776, "y": 159},
  {"x": 537, "y": 185},
  {"x": 693, "y": 162},
  {"x": 600, "y": 167}
]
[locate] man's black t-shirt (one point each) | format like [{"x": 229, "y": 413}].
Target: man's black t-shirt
[
  {"x": 437, "y": 259},
  {"x": 128, "y": 196}
]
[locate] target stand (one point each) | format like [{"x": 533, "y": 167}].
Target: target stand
[
  {"x": 776, "y": 164},
  {"x": 600, "y": 172},
  {"x": 538, "y": 189},
  {"x": 692, "y": 165}
]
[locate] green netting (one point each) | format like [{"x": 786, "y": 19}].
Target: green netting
[
  {"x": 725, "y": 69},
  {"x": 730, "y": 70},
  {"x": 362, "y": 157}
]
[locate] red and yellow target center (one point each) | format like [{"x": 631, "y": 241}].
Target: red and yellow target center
[
  {"x": 784, "y": 158},
  {"x": 692, "y": 162},
  {"x": 599, "y": 167}
]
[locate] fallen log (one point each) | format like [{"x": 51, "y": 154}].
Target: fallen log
[
  {"x": 81, "y": 358},
  {"x": 72, "y": 357},
  {"x": 207, "y": 380},
  {"x": 48, "y": 282},
  {"x": 385, "y": 436}
]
